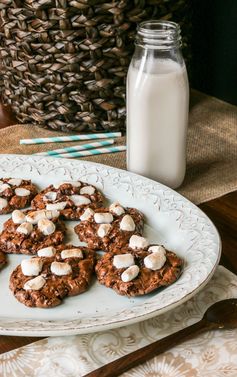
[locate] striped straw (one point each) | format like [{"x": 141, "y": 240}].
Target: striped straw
[
  {"x": 76, "y": 148},
  {"x": 91, "y": 152},
  {"x": 58, "y": 139}
]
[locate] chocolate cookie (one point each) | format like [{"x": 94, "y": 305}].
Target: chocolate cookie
[
  {"x": 138, "y": 271},
  {"x": 28, "y": 231},
  {"x": 15, "y": 193},
  {"x": 44, "y": 281},
  {"x": 70, "y": 198},
  {"x": 105, "y": 228}
]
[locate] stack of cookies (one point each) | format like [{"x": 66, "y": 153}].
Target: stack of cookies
[{"x": 126, "y": 261}]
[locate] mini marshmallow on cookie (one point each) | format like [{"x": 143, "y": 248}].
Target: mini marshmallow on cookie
[
  {"x": 22, "y": 191},
  {"x": 79, "y": 200},
  {"x": 35, "y": 284},
  {"x": 4, "y": 187},
  {"x": 130, "y": 273},
  {"x": 127, "y": 224},
  {"x": 25, "y": 228},
  {"x": 31, "y": 267},
  {"x": 89, "y": 190},
  {"x": 117, "y": 209},
  {"x": 15, "y": 181},
  {"x": 155, "y": 260},
  {"x": 49, "y": 251},
  {"x": 46, "y": 226},
  {"x": 18, "y": 217},
  {"x": 71, "y": 253},
  {"x": 103, "y": 217},
  {"x": 56, "y": 206},
  {"x": 103, "y": 230},
  {"x": 123, "y": 260},
  {"x": 50, "y": 196},
  {"x": 34, "y": 216},
  {"x": 137, "y": 242},
  {"x": 61, "y": 268},
  {"x": 3, "y": 203},
  {"x": 88, "y": 213}
]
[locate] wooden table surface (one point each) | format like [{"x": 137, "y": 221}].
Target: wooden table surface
[{"x": 222, "y": 211}]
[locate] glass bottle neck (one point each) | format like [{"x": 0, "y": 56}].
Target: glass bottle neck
[{"x": 159, "y": 35}]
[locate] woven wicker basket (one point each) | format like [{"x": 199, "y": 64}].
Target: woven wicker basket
[{"x": 64, "y": 62}]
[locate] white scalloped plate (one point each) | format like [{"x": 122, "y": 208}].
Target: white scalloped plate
[{"x": 170, "y": 219}]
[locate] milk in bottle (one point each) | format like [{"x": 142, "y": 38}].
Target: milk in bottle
[{"x": 157, "y": 105}]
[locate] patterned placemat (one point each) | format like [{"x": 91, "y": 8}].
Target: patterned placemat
[
  {"x": 211, "y": 148},
  {"x": 211, "y": 354}
]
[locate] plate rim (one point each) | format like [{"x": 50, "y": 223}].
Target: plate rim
[{"x": 39, "y": 331}]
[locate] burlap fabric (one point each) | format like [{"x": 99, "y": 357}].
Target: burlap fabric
[{"x": 211, "y": 150}]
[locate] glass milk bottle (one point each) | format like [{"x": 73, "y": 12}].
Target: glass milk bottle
[{"x": 157, "y": 104}]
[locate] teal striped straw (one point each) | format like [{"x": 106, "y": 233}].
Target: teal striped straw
[
  {"x": 76, "y": 148},
  {"x": 59, "y": 139},
  {"x": 91, "y": 152}
]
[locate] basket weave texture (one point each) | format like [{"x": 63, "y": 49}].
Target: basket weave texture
[{"x": 64, "y": 62}]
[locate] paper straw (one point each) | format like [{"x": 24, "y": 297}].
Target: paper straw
[
  {"x": 76, "y": 148},
  {"x": 92, "y": 152},
  {"x": 59, "y": 139}
]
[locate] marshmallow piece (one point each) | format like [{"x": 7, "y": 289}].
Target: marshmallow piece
[
  {"x": 87, "y": 214},
  {"x": 127, "y": 223},
  {"x": 18, "y": 217},
  {"x": 4, "y": 187},
  {"x": 51, "y": 214},
  {"x": 47, "y": 252},
  {"x": 89, "y": 190},
  {"x": 15, "y": 181},
  {"x": 25, "y": 228},
  {"x": 157, "y": 249},
  {"x": 35, "y": 284},
  {"x": 103, "y": 217},
  {"x": 31, "y": 267},
  {"x": 56, "y": 206},
  {"x": 73, "y": 183},
  {"x": 22, "y": 191},
  {"x": 34, "y": 216},
  {"x": 3, "y": 203},
  {"x": 1, "y": 182},
  {"x": 123, "y": 260},
  {"x": 71, "y": 253},
  {"x": 79, "y": 200},
  {"x": 130, "y": 273},
  {"x": 61, "y": 268},
  {"x": 50, "y": 195},
  {"x": 137, "y": 242},
  {"x": 46, "y": 226},
  {"x": 155, "y": 261},
  {"x": 116, "y": 208},
  {"x": 103, "y": 230}
]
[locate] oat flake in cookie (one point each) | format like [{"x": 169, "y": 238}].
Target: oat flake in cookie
[
  {"x": 106, "y": 228},
  {"x": 28, "y": 231},
  {"x": 70, "y": 198},
  {"x": 134, "y": 271},
  {"x": 43, "y": 282},
  {"x": 15, "y": 193}
]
